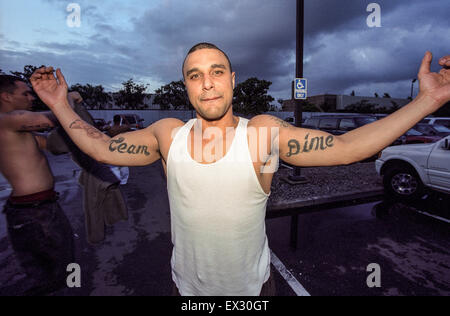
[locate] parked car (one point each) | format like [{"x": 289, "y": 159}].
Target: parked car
[
  {"x": 337, "y": 124},
  {"x": 413, "y": 136},
  {"x": 408, "y": 170},
  {"x": 101, "y": 124},
  {"x": 380, "y": 116},
  {"x": 290, "y": 120},
  {"x": 133, "y": 120},
  {"x": 444, "y": 121},
  {"x": 432, "y": 129}
]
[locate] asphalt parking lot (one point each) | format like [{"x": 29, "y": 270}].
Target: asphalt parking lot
[{"x": 335, "y": 246}]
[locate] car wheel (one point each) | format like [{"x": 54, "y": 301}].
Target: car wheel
[{"x": 403, "y": 183}]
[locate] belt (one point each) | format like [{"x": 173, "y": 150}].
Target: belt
[{"x": 33, "y": 200}]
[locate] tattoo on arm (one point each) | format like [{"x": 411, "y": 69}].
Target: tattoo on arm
[
  {"x": 313, "y": 144},
  {"x": 18, "y": 113},
  {"x": 280, "y": 122},
  {"x": 121, "y": 147},
  {"x": 90, "y": 130},
  {"x": 34, "y": 128}
]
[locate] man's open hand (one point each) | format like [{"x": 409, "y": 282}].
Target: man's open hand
[
  {"x": 50, "y": 89},
  {"x": 435, "y": 85}
]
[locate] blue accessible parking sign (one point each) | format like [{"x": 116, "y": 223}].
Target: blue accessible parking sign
[{"x": 301, "y": 86}]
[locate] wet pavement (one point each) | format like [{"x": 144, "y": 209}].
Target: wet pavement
[{"x": 335, "y": 246}]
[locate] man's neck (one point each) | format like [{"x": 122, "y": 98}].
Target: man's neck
[
  {"x": 227, "y": 121},
  {"x": 5, "y": 108}
]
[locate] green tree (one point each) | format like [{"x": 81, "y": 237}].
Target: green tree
[
  {"x": 131, "y": 96},
  {"x": 311, "y": 107},
  {"x": 353, "y": 93},
  {"x": 251, "y": 98},
  {"x": 360, "y": 107},
  {"x": 395, "y": 107},
  {"x": 27, "y": 72},
  {"x": 94, "y": 97},
  {"x": 173, "y": 96},
  {"x": 280, "y": 102},
  {"x": 386, "y": 95}
]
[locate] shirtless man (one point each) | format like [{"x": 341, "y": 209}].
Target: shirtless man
[
  {"x": 38, "y": 230},
  {"x": 117, "y": 129},
  {"x": 218, "y": 174}
]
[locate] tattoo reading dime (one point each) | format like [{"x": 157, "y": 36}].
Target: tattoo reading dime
[
  {"x": 123, "y": 148},
  {"x": 295, "y": 147}
]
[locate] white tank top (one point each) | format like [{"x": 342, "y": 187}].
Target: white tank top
[{"x": 218, "y": 220}]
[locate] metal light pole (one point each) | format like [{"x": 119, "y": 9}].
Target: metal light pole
[
  {"x": 296, "y": 177},
  {"x": 412, "y": 87}
]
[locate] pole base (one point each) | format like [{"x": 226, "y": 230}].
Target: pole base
[{"x": 295, "y": 180}]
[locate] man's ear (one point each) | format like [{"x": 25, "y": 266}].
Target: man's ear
[
  {"x": 5, "y": 97},
  {"x": 233, "y": 79}
]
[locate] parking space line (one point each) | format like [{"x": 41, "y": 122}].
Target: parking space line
[
  {"x": 286, "y": 166},
  {"x": 290, "y": 279},
  {"x": 434, "y": 216}
]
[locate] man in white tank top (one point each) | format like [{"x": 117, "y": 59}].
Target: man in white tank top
[{"x": 219, "y": 167}]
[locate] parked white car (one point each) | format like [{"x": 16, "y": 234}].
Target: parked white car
[
  {"x": 444, "y": 121},
  {"x": 408, "y": 170}
]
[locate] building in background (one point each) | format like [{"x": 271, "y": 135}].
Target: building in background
[{"x": 333, "y": 102}]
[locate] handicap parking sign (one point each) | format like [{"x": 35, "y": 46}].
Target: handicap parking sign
[{"x": 301, "y": 86}]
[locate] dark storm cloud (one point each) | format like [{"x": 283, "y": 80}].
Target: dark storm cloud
[
  {"x": 385, "y": 58},
  {"x": 239, "y": 28},
  {"x": 341, "y": 52}
]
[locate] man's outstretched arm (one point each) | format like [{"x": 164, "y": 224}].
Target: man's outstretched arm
[
  {"x": 131, "y": 149},
  {"x": 26, "y": 121},
  {"x": 305, "y": 147}
]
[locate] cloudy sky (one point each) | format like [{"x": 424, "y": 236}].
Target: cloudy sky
[{"x": 147, "y": 40}]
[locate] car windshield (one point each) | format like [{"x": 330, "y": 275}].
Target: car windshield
[
  {"x": 311, "y": 122},
  {"x": 365, "y": 120},
  {"x": 413, "y": 132},
  {"x": 130, "y": 119},
  {"x": 441, "y": 128},
  {"x": 424, "y": 128}
]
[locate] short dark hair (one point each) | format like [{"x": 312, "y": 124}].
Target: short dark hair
[
  {"x": 8, "y": 83},
  {"x": 205, "y": 46}
]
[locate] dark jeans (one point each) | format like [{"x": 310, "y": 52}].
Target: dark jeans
[{"x": 42, "y": 239}]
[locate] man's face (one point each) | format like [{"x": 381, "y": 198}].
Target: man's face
[
  {"x": 21, "y": 98},
  {"x": 209, "y": 83}
]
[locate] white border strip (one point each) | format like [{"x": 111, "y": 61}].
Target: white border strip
[
  {"x": 290, "y": 279},
  {"x": 434, "y": 216}
]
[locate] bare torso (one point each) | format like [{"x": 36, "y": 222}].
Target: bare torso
[
  {"x": 117, "y": 129},
  {"x": 22, "y": 163},
  {"x": 165, "y": 140}
]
